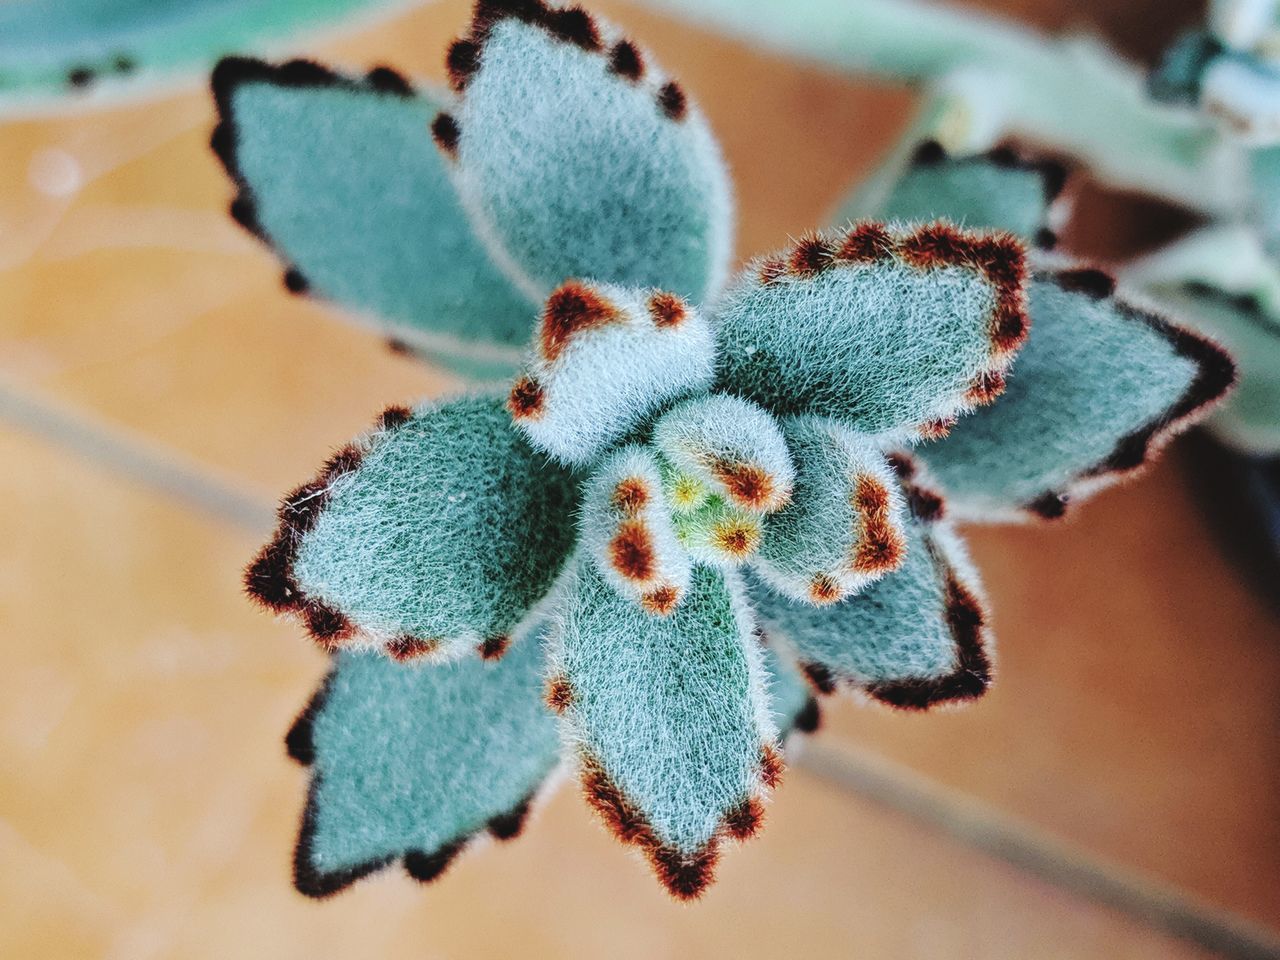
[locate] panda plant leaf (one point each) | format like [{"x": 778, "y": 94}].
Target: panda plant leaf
[
  {"x": 693, "y": 504},
  {"x": 88, "y": 50}
]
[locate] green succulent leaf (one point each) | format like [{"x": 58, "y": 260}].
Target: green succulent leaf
[
  {"x": 627, "y": 531},
  {"x": 790, "y": 696},
  {"x": 1264, "y": 170},
  {"x": 892, "y": 331},
  {"x": 843, "y": 526},
  {"x": 77, "y": 47},
  {"x": 1221, "y": 280},
  {"x": 579, "y": 158},
  {"x": 915, "y": 639},
  {"x": 997, "y": 190},
  {"x": 1099, "y": 387},
  {"x": 410, "y": 763},
  {"x": 604, "y": 360},
  {"x": 730, "y": 446},
  {"x": 434, "y": 535},
  {"x": 338, "y": 175},
  {"x": 669, "y": 719}
]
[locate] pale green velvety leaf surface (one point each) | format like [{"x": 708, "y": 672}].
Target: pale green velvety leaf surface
[
  {"x": 412, "y": 761},
  {"x": 435, "y": 535},
  {"x": 668, "y": 716},
  {"x": 1098, "y": 387},
  {"x": 341, "y": 178},
  {"x": 913, "y": 639},
  {"x": 579, "y": 168},
  {"x": 889, "y": 330}
]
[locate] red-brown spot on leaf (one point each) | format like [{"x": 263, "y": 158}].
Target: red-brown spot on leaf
[
  {"x": 573, "y": 25},
  {"x": 747, "y": 484},
  {"x": 771, "y": 766},
  {"x": 630, "y": 496},
  {"x": 661, "y": 600},
  {"x": 405, "y": 648},
  {"x": 823, "y": 589},
  {"x": 631, "y": 551},
  {"x": 672, "y": 100},
  {"x": 866, "y": 243},
  {"x": 526, "y": 399},
  {"x": 819, "y": 677},
  {"x": 571, "y": 309},
  {"x": 559, "y": 693},
  {"x": 985, "y": 387},
  {"x": 626, "y": 60},
  {"x": 812, "y": 254},
  {"x": 493, "y": 648},
  {"x": 667, "y": 310},
  {"x": 445, "y": 132}
]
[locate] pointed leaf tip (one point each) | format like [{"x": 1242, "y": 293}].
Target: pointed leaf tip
[
  {"x": 669, "y": 718},
  {"x": 412, "y": 763},
  {"x": 1101, "y": 386},
  {"x": 433, "y": 537},
  {"x": 914, "y": 640},
  {"x": 605, "y": 358},
  {"x": 579, "y": 158}
]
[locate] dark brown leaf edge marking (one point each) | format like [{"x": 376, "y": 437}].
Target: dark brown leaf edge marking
[
  {"x": 81, "y": 76},
  {"x": 1053, "y": 175},
  {"x": 685, "y": 874},
  {"x": 234, "y": 72},
  {"x": 422, "y": 865},
  {"x": 269, "y": 578},
  {"x": 962, "y": 609},
  {"x": 1215, "y": 375},
  {"x": 998, "y": 257},
  {"x": 572, "y": 25}
]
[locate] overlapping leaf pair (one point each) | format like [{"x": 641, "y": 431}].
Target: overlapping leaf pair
[
  {"x": 1225, "y": 277},
  {"x": 691, "y": 488}
]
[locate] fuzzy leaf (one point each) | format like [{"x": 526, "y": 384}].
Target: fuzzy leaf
[
  {"x": 1179, "y": 76},
  {"x": 893, "y": 332},
  {"x": 731, "y": 446},
  {"x": 669, "y": 719},
  {"x": 1099, "y": 387},
  {"x": 1222, "y": 280},
  {"x": 718, "y": 533},
  {"x": 604, "y": 360},
  {"x": 843, "y": 527},
  {"x": 996, "y": 190},
  {"x": 51, "y": 49},
  {"x": 410, "y": 762},
  {"x": 1264, "y": 169},
  {"x": 435, "y": 534},
  {"x": 790, "y": 696},
  {"x": 626, "y": 529},
  {"x": 580, "y": 158},
  {"x": 915, "y": 639},
  {"x": 339, "y": 177},
  {"x": 1245, "y": 93}
]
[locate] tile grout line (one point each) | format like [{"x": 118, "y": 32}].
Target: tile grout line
[
  {"x": 1034, "y": 851},
  {"x": 134, "y": 458},
  {"x": 882, "y": 781}
]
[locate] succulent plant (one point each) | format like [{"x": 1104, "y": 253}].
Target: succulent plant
[
  {"x": 697, "y": 500},
  {"x": 53, "y": 52}
]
